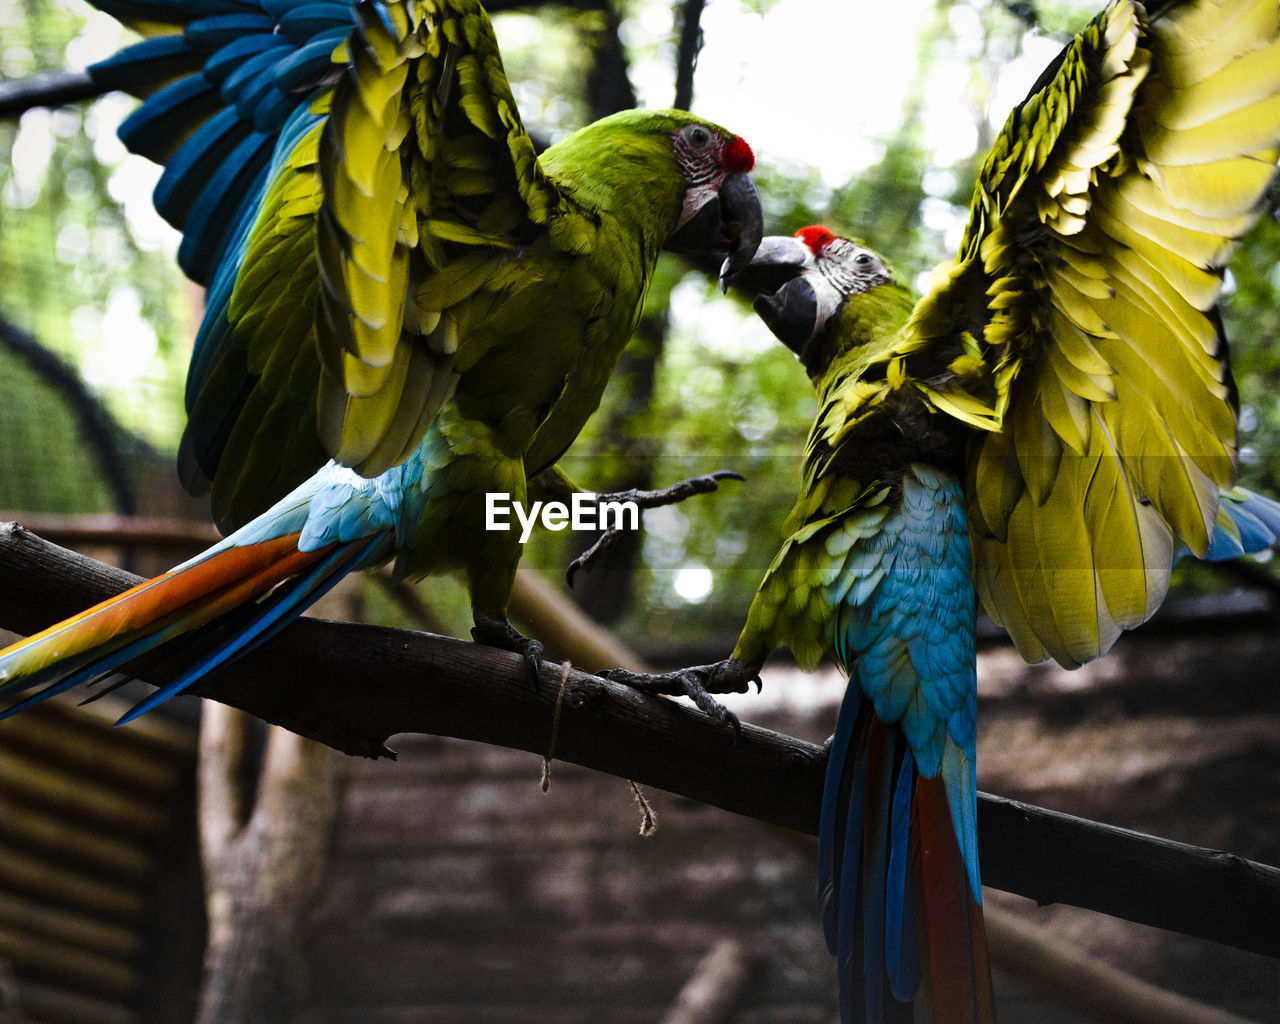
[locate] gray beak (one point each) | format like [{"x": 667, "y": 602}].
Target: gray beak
[
  {"x": 784, "y": 297},
  {"x": 791, "y": 313},
  {"x": 778, "y": 259}
]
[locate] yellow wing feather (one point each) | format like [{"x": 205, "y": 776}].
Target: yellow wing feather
[
  {"x": 1099, "y": 231},
  {"x": 423, "y": 158},
  {"x": 406, "y": 197}
]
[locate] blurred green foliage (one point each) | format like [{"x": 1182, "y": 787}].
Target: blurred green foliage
[
  {"x": 44, "y": 466},
  {"x": 86, "y": 267}
]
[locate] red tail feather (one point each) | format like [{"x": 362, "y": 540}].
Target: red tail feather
[{"x": 949, "y": 918}]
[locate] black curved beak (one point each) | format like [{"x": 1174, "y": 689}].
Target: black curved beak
[
  {"x": 731, "y": 219},
  {"x": 791, "y": 313},
  {"x": 784, "y": 297},
  {"x": 744, "y": 222}
]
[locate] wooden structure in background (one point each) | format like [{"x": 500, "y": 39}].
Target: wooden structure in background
[{"x": 92, "y": 849}]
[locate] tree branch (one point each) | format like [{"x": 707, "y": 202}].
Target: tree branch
[
  {"x": 319, "y": 679},
  {"x": 47, "y": 89}
]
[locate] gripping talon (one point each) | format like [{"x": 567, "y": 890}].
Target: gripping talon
[
  {"x": 696, "y": 682},
  {"x": 709, "y": 706},
  {"x": 497, "y": 631}
]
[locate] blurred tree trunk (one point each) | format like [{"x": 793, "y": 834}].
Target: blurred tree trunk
[
  {"x": 606, "y": 590},
  {"x": 265, "y": 830},
  {"x": 608, "y": 79}
]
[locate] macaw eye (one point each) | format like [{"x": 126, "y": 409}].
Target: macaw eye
[
  {"x": 699, "y": 136},
  {"x": 862, "y": 259}
]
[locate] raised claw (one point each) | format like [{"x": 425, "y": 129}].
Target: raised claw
[
  {"x": 593, "y": 554},
  {"x": 672, "y": 495}
]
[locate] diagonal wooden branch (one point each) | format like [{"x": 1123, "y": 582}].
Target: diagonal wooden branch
[
  {"x": 47, "y": 89},
  {"x": 353, "y": 687}
]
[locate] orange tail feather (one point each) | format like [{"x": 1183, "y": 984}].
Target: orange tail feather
[{"x": 193, "y": 594}]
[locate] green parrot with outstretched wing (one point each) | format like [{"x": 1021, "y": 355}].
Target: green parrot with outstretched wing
[
  {"x": 408, "y": 307},
  {"x": 1048, "y": 429}
]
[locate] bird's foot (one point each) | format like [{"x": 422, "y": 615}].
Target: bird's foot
[
  {"x": 698, "y": 683},
  {"x": 672, "y": 495},
  {"x": 497, "y": 631}
]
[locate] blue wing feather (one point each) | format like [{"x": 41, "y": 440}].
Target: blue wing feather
[
  {"x": 230, "y": 60},
  {"x": 158, "y": 127},
  {"x": 214, "y": 335},
  {"x": 151, "y": 61},
  {"x": 239, "y": 64},
  {"x": 309, "y": 20},
  {"x": 209, "y": 34},
  {"x": 309, "y": 64},
  {"x": 1254, "y": 517},
  {"x": 250, "y": 84},
  {"x": 190, "y": 168},
  {"x": 217, "y": 213}
]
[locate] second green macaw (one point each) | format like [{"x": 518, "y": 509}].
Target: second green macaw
[
  {"x": 1048, "y": 429},
  {"x": 396, "y": 280}
]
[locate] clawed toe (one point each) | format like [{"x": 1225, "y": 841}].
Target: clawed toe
[
  {"x": 593, "y": 554},
  {"x": 697, "y": 682},
  {"x": 498, "y": 632}
]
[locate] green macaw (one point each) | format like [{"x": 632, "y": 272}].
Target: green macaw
[
  {"x": 408, "y": 308},
  {"x": 1049, "y": 428}
]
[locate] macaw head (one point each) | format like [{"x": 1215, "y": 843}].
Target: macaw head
[
  {"x": 680, "y": 179},
  {"x": 720, "y": 209},
  {"x": 801, "y": 283}
]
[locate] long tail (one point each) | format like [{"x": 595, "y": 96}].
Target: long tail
[
  {"x": 899, "y": 912},
  {"x": 269, "y": 578}
]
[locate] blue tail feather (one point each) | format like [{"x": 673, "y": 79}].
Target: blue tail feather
[
  {"x": 841, "y": 803},
  {"x": 97, "y": 667},
  {"x": 875, "y": 838},
  {"x": 286, "y": 603},
  {"x": 865, "y": 865},
  {"x": 901, "y": 947}
]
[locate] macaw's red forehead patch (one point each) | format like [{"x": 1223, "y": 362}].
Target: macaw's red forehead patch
[
  {"x": 738, "y": 156},
  {"x": 815, "y": 237}
]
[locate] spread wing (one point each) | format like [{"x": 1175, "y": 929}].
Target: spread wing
[
  {"x": 1088, "y": 278},
  {"x": 345, "y": 176}
]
